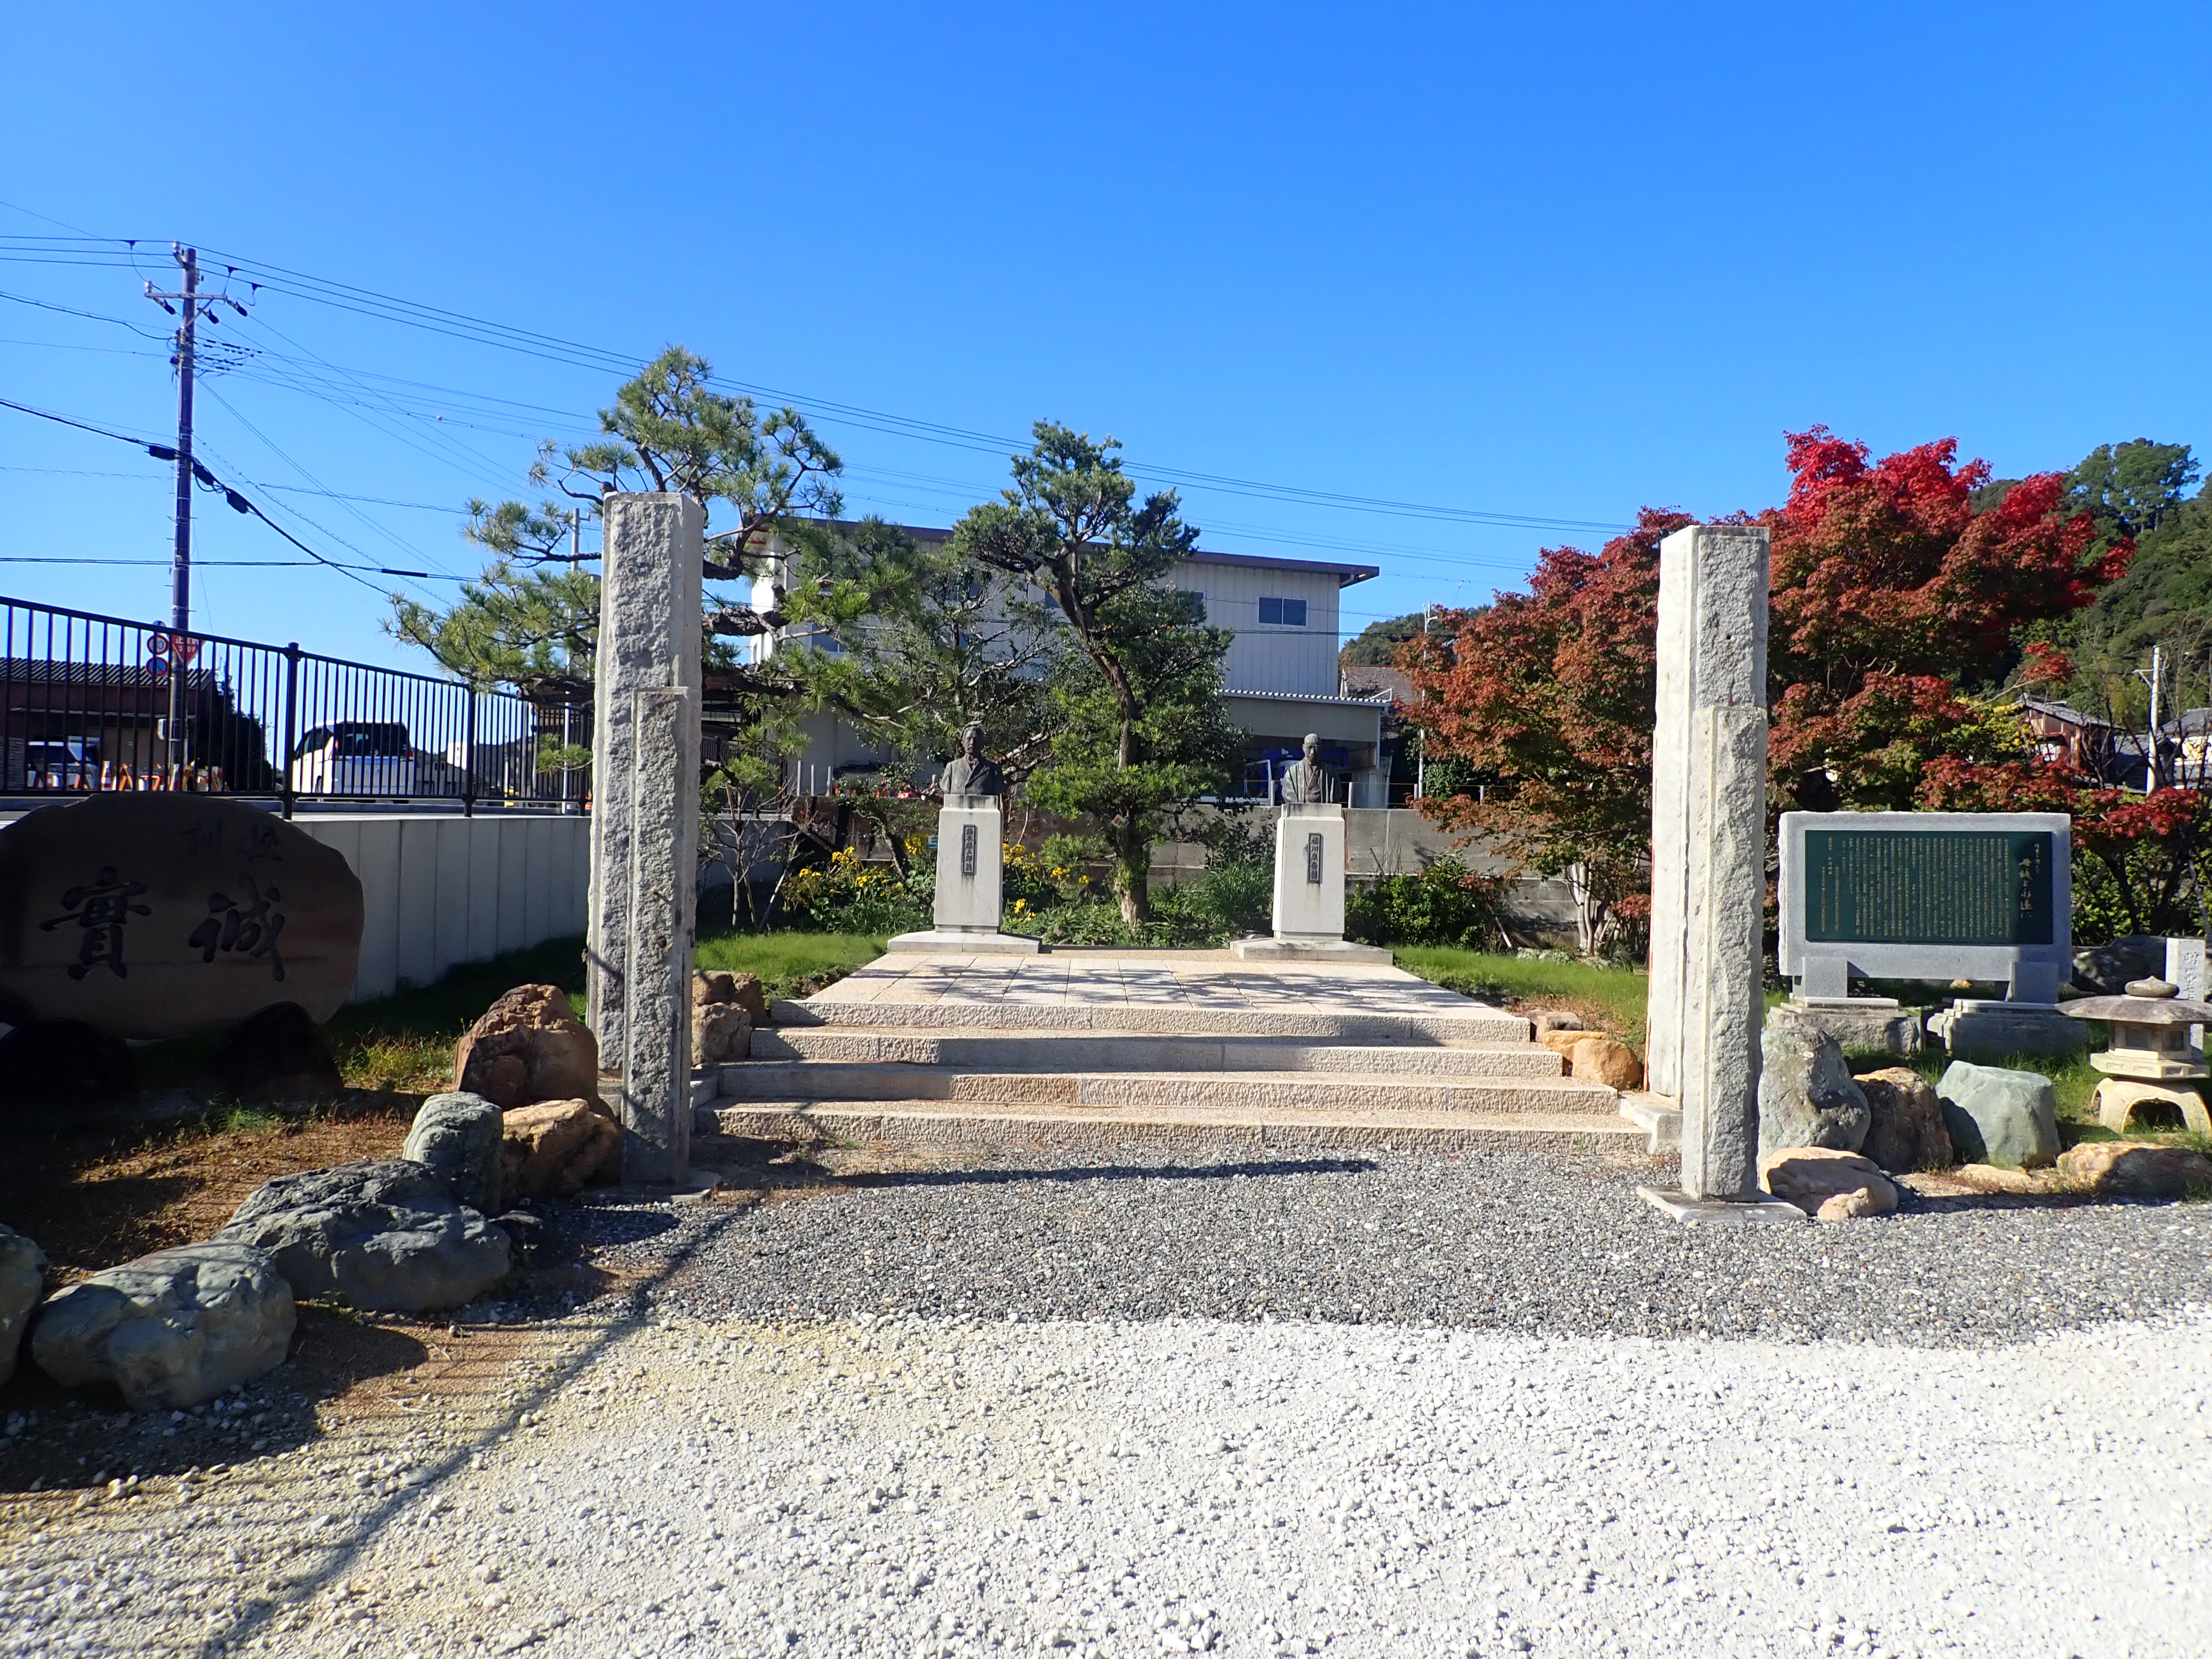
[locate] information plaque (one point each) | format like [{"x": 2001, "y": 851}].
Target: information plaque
[{"x": 1926, "y": 896}]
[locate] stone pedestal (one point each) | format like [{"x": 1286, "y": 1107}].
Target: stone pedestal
[
  {"x": 2117, "y": 1099},
  {"x": 1870, "y": 1024},
  {"x": 645, "y": 821},
  {"x": 1976, "y": 1029},
  {"x": 970, "y": 882},
  {"x": 1709, "y": 851},
  {"x": 1309, "y": 923}
]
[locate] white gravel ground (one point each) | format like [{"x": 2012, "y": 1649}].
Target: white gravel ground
[{"x": 1107, "y": 1487}]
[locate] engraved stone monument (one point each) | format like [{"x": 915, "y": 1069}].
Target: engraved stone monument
[
  {"x": 1309, "y": 899},
  {"x": 157, "y": 916},
  {"x": 970, "y": 867}
]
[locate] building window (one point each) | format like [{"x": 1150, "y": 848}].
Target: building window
[{"x": 1282, "y": 613}]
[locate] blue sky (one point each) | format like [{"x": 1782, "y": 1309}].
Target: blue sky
[{"x": 1549, "y": 262}]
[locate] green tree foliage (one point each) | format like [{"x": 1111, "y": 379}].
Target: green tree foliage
[
  {"x": 1375, "y": 646},
  {"x": 756, "y": 473},
  {"x": 910, "y": 642},
  {"x": 1134, "y": 705}
]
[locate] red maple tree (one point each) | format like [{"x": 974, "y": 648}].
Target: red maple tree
[{"x": 1890, "y": 593}]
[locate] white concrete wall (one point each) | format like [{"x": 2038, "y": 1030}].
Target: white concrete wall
[{"x": 439, "y": 891}]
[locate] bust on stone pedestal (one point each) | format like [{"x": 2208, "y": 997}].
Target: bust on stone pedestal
[
  {"x": 970, "y": 868},
  {"x": 1305, "y": 781},
  {"x": 972, "y": 772}
]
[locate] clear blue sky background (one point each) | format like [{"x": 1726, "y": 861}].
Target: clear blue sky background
[{"x": 1557, "y": 261}]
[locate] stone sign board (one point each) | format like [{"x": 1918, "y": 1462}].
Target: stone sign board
[
  {"x": 154, "y": 915},
  {"x": 1927, "y": 896}
]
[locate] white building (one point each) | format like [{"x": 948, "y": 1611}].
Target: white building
[{"x": 1279, "y": 675}]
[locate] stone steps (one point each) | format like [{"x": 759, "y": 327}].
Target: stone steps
[
  {"x": 1348, "y": 1093},
  {"x": 1196, "y": 1128},
  {"x": 1478, "y": 1027},
  {"x": 1075, "y": 1051}
]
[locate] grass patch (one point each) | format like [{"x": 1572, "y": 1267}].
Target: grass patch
[
  {"x": 789, "y": 964},
  {"x": 1608, "y": 999}
]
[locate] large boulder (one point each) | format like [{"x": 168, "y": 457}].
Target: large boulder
[
  {"x": 384, "y": 1233},
  {"x": 2135, "y": 1169},
  {"x": 170, "y": 1329},
  {"x": 742, "y": 990},
  {"x": 1997, "y": 1115},
  {"x": 2104, "y": 970},
  {"x": 1904, "y": 1130},
  {"x": 1600, "y": 1059},
  {"x": 457, "y": 1135},
  {"x": 1827, "y": 1184},
  {"x": 22, "y": 1281},
  {"x": 272, "y": 1056},
  {"x": 1805, "y": 1094},
  {"x": 558, "y": 1147},
  {"x": 52, "y": 1066},
  {"x": 1860, "y": 1026},
  {"x": 720, "y": 1031},
  {"x": 528, "y": 1047}
]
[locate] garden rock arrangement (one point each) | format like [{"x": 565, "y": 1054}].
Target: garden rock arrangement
[
  {"x": 1807, "y": 1096},
  {"x": 1995, "y": 1115},
  {"x": 2135, "y": 1169},
  {"x": 171, "y": 1329},
  {"x": 22, "y": 1279},
  {"x": 723, "y": 1017},
  {"x": 277, "y": 1056},
  {"x": 528, "y": 1047},
  {"x": 384, "y": 1233},
  {"x": 1828, "y": 1185},
  {"x": 557, "y": 1148},
  {"x": 459, "y": 1135},
  {"x": 1904, "y": 1130}
]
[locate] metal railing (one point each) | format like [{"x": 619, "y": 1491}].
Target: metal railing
[{"x": 90, "y": 703}]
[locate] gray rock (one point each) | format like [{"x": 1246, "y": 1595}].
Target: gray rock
[
  {"x": 2104, "y": 969},
  {"x": 1556, "y": 1020},
  {"x": 22, "y": 1281},
  {"x": 1805, "y": 1094},
  {"x": 170, "y": 1329},
  {"x": 1980, "y": 1030},
  {"x": 384, "y": 1233},
  {"x": 1997, "y": 1116},
  {"x": 1872, "y": 1027},
  {"x": 459, "y": 1136}
]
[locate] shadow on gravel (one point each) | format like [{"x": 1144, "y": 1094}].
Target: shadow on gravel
[{"x": 1274, "y": 1170}]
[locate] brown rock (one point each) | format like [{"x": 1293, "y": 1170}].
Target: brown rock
[
  {"x": 712, "y": 987},
  {"x": 2135, "y": 1169},
  {"x": 556, "y": 1148},
  {"x": 1599, "y": 1059},
  {"x": 1562, "y": 1042},
  {"x": 720, "y": 1031},
  {"x": 1827, "y": 1184},
  {"x": 527, "y": 1048},
  {"x": 1907, "y": 1132}
]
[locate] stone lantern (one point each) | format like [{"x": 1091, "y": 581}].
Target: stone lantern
[{"x": 2150, "y": 1058}]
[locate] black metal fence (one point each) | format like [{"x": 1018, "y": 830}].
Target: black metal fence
[{"x": 90, "y": 702}]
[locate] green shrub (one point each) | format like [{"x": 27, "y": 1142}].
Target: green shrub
[{"x": 1446, "y": 905}]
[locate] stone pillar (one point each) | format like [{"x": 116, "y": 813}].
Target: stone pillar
[
  {"x": 645, "y": 820},
  {"x": 1308, "y": 918},
  {"x": 1708, "y": 850}
]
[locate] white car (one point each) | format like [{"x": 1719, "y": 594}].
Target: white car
[{"x": 354, "y": 757}]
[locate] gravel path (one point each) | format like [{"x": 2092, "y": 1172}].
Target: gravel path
[
  {"x": 859, "y": 1423},
  {"x": 1100, "y": 1488},
  {"x": 1540, "y": 1243}
]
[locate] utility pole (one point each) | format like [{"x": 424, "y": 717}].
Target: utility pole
[
  {"x": 180, "y": 651},
  {"x": 2153, "y": 776}
]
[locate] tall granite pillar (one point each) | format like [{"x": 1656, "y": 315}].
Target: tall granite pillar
[
  {"x": 645, "y": 820},
  {"x": 1708, "y": 850}
]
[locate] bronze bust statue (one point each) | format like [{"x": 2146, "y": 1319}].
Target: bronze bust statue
[
  {"x": 972, "y": 772},
  {"x": 1305, "y": 783}
]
